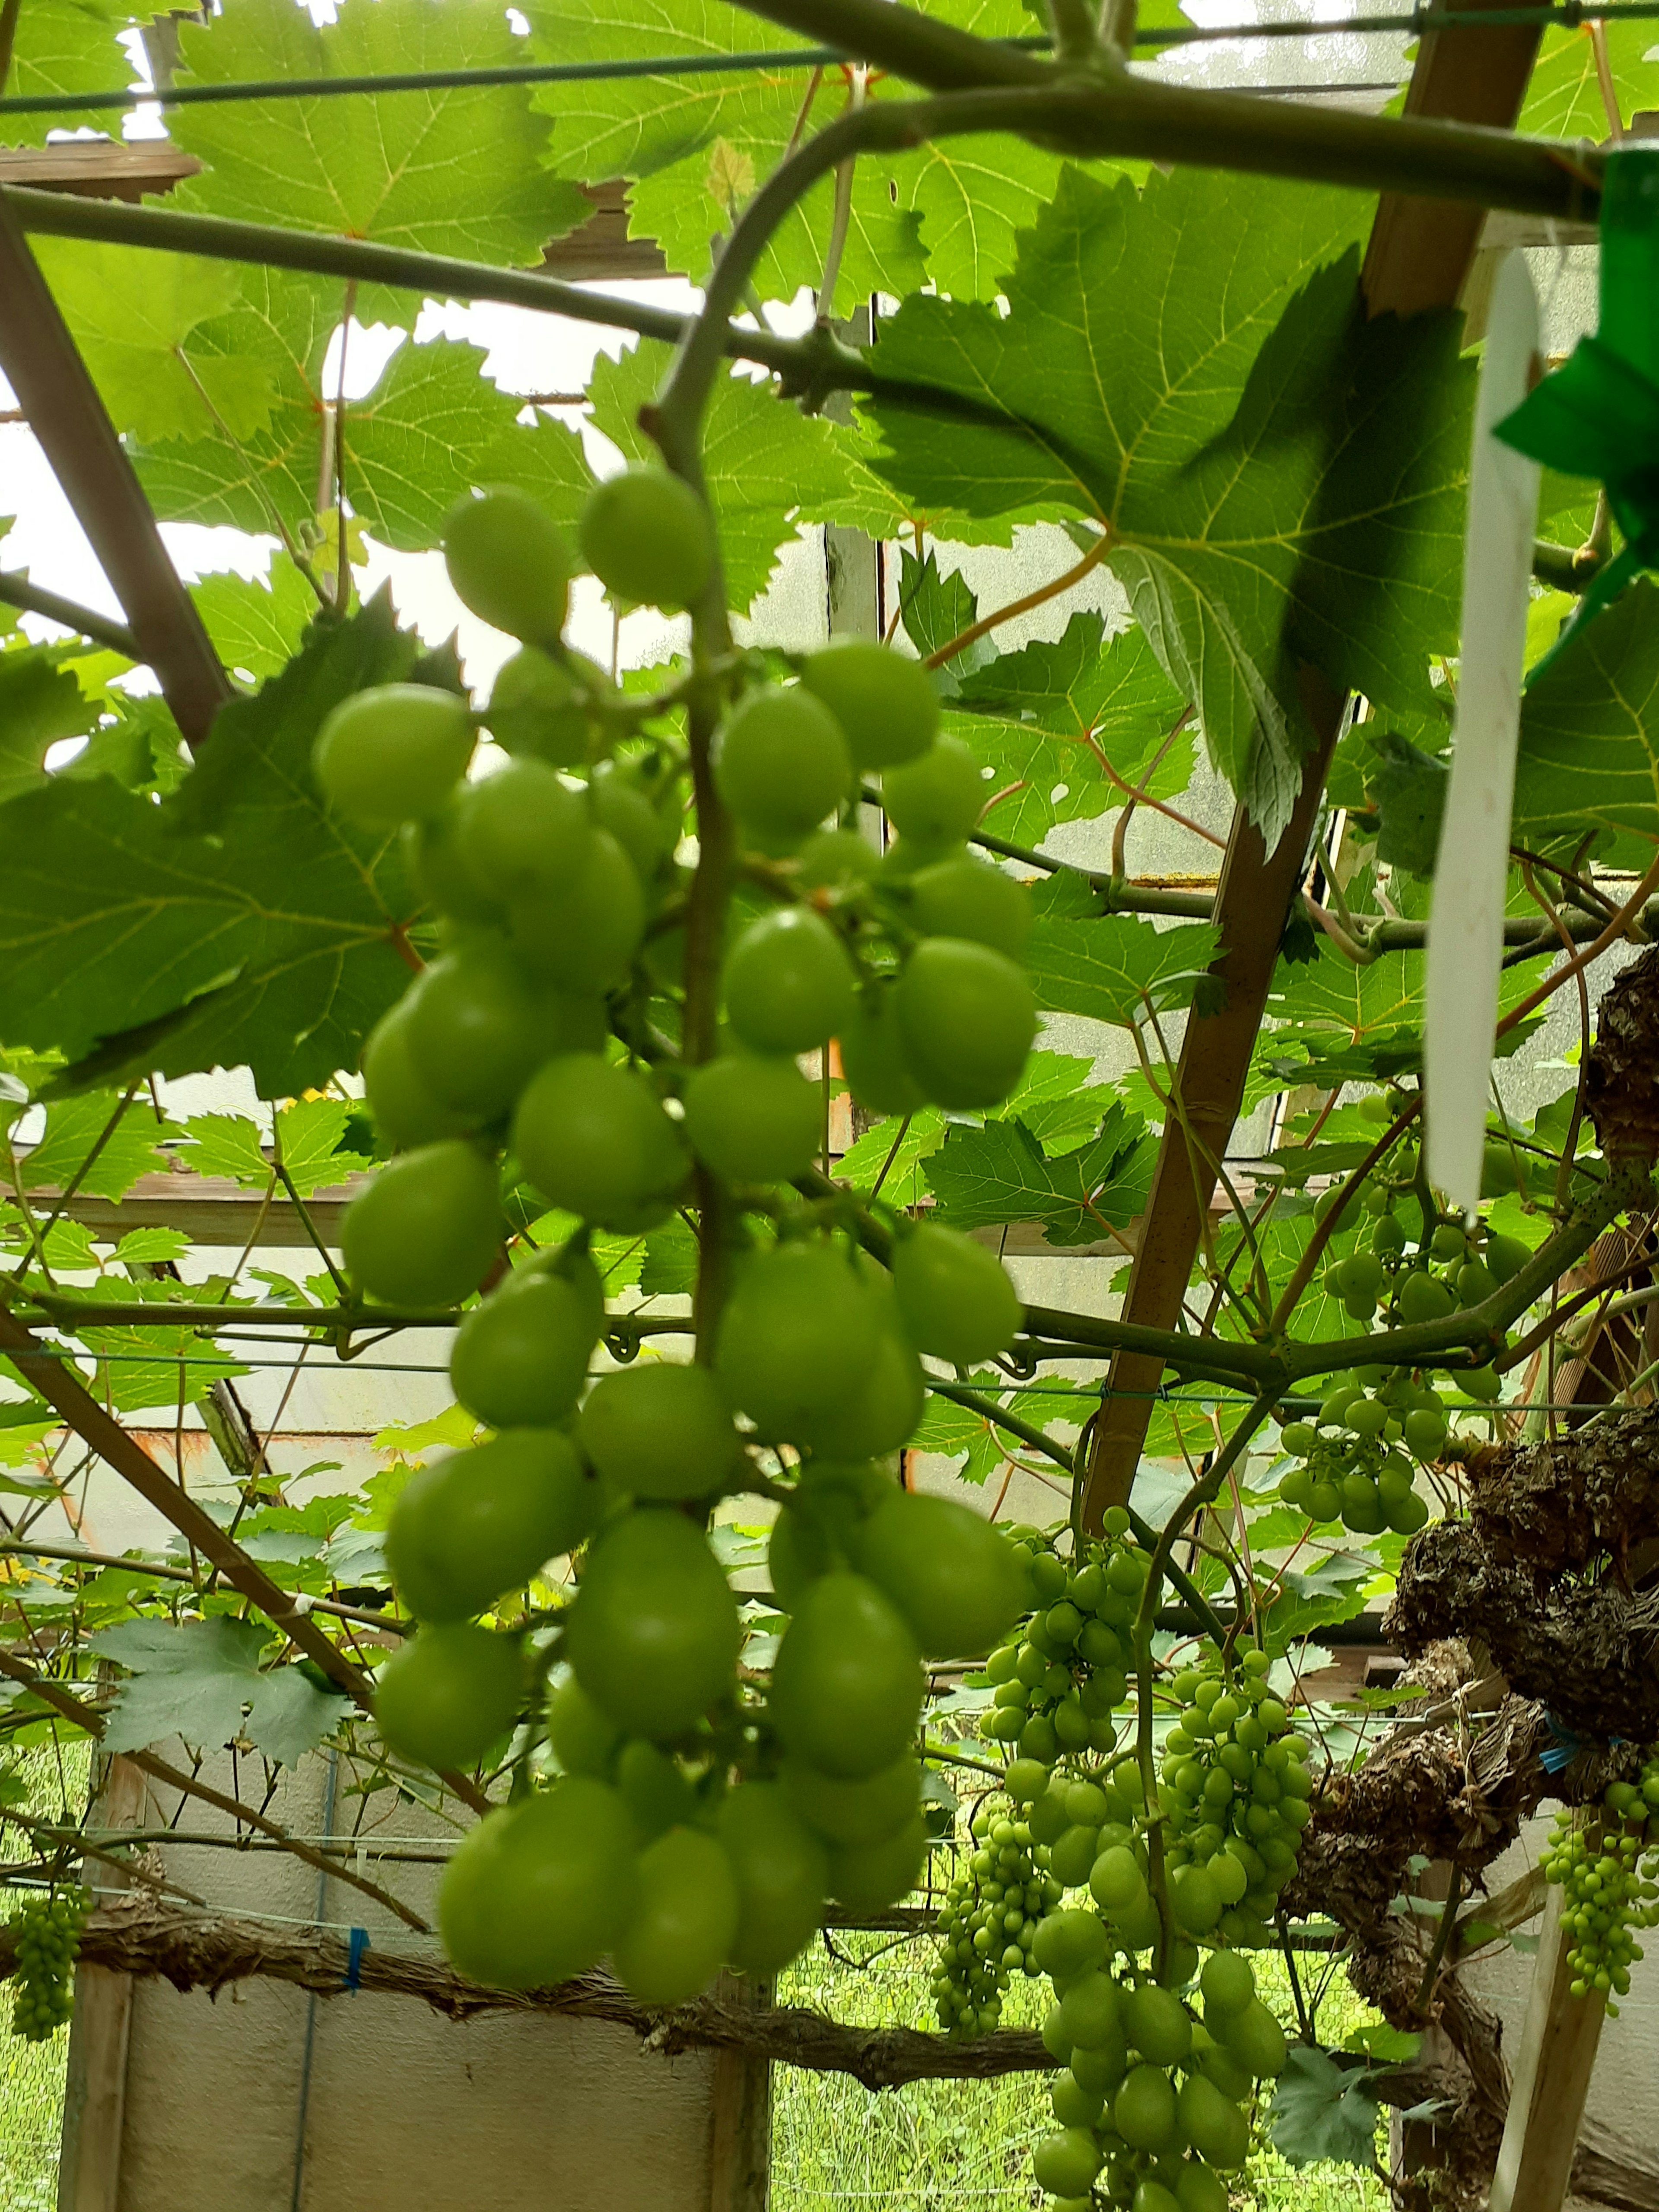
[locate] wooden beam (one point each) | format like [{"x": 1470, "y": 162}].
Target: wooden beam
[
  {"x": 96, "y": 2090},
  {"x": 1552, "y": 2077},
  {"x": 1419, "y": 256}
]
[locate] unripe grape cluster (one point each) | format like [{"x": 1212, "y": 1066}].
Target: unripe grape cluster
[
  {"x": 694, "y": 1823},
  {"x": 995, "y": 1904},
  {"x": 1234, "y": 1793},
  {"x": 1609, "y": 1875},
  {"x": 1361, "y": 1481},
  {"x": 47, "y": 1932},
  {"x": 1059, "y": 1679}
]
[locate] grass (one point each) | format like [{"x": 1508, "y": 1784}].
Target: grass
[{"x": 963, "y": 2146}]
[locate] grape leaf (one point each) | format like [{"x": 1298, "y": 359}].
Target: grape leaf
[
  {"x": 431, "y": 430},
  {"x": 65, "y": 45},
  {"x": 1283, "y": 477},
  {"x": 1322, "y": 2112},
  {"x": 452, "y": 170},
  {"x": 1000, "y": 1174},
  {"x": 255, "y": 627},
  {"x": 1564, "y": 93},
  {"x": 40, "y": 703},
  {"x": 227, "y": 1144},
  {"x": 307, "y": 1140},
  {"x": 905, "y": 1180},
  {"x": 197, "y": 1678},
  {"x": 236, "y": 922},
  {"x": 75, "y": 1126},
  {"x": 1589, "y": 728},
  {"x": 934, "y": 609},
  {"x": 1113, "y": 968},
  {"x": 143, "y": 1367}
]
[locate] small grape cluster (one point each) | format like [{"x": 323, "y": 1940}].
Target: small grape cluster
[
  {"x": 1150, "y": 2106},
  {"x": 1363, "y": 1481},
  {"x": 1236, "y": 1800},
  {"x": 1061, "y": 1675},
  {"x": 1609, "y": 1879},
  {"x": 992, "y": 1909},
  {"x": 48, "y": 1935}
]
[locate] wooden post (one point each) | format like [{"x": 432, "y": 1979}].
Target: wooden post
[
  {"x": 740, "y": 2135},
  {"x": 1553, "y": 2078},
  {"x": 94, "y": 2094}
]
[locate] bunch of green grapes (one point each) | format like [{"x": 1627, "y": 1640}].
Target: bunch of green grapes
[
  {"x": 1151, "y": 2105},
  {"x": 1235, "y": 1797},
  {"x": 1367, "y": 1482},
  {"x": 1060, "y": 1677},
  {"x": 988, "y": 1923},
  {"x": 693, "y": 1824},
  {"x": 48, "y": 1936},
  {"x": 1609, "y": 1880}
]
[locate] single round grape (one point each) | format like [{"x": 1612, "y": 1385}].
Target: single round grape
[
  {"x": 886, "y": 703},
  {"x": 937, "y": 799},
  {"x": 1228, "y": 1983},
  {"x": 789, "y": 982},
  {"x": 394, "y": 754},
  {"x": 782, "y": 1875},
  {"x": 847, "y": 1683},
  {"x": 521, "y": 830},
  {"x": 584, "y": 1741},
  {"x": 653, "y": 1634},
  {"x": 1158, "y": 2024},
  {"x": 478, "y": 1030},
  {"x": 1072, "y": 2105},
  {"x": 509, "y": 563},
  {"x": 646, "y": 827},
  {"x": 1254, "y": 2038},
  {"x": 654, "y": 1789},
  {"x": 647, "y": 537},
  {"x": 593, "y": 1138},
  {"x": 438, "y": 868},
  {"x": 871, "y": 1046},
  {"x": 884, "y": 1411},
  {"x": 519, "y": 1360},
  {"x": 683, "y": 1921},
  {"x": 536, "y": 708},
  {"x": 403, "y": 1105},
  {"x": 835, "y": 859},
  {"x": 797, "y": 1336},
  {"x": 754, "y": 1117},
  {"x": 1213, "y": 2126},
  {"x": 1091, "y": 2012},
  {"x": 449, "y": 1693},
  {"x": 955, "y": 1295},
  {"x": 426, "y": 1231},
  {"x": 869, "y": 1877},
  {"x": 782, "y": 763},
  {"x": 955, "y": 1578},
  {"x": 471, "y": 1527},
  {"x": 966, "y": 1020},
  {"x": 1200, "y": 2188},
  {"x": 854, "y": 1813},
  {"x": 540, "y": 1891},
  {"x": 1143, "y": 2110},
  {"x": 582, "y": 932},
  {"x": 1065, "y": 2165},
  {"x": 660, "y": 1431},
  {"x": 965, "y": 897}
]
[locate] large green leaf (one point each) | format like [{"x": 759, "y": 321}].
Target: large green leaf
[
  {"x": 197, "y": 1680},
  {"x": 1565, "y": 98},
  {"x": 448, "y": 171},
  {"x": 1000, "y": 1173},
  {"x": 1117, "y": 968},
  {"x": 432, "y": 429},
  {"x": 257, "y": 627},
  {"x": 1283, "y": 477},
  {"x": 40, "y": 703},
  {"x": 235, "y": 922},
  {"x": 65, "y": 45},
  {"x": 1323, "y": 2112},
  {"x": 1589, "y": 728},
  {"x": 76, "y": 1129}
]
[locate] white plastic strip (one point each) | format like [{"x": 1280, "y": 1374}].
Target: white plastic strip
[{"x": 1465, "y": 925}]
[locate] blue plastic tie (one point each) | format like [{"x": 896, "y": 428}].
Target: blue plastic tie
[{"x": 353, "y": 1979}]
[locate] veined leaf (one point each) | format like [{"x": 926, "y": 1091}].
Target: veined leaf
[
  {"x": 197, "y": 1680},
  {"x": 66, "y": 46},
  {"x": 1001, "y": 1174},
  {"x": 1117, "y": 967},
  {"x": 1589, "y": 728},
  {"x": 1322, "y": 2112}
]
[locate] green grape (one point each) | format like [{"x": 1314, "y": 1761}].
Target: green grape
[
  {"x": 1198, "y": 2188},
  {"x": 835, "y": 859},
  {"x": 403, "y": 1105},
  {"x": 754, "y": 1118},
  {"x": 781, "y": 1871},
  {"x": 1066, "y": 2164},
  {"x": 966, "y": 1020},
  {"x": 1228, "y": 1983},
  {"x": 782, "y": 763},
  {"x": 873, "y": 1055},
  {"x": 1504, "y": 1258},
  {"x": 937, "y": 799},
  {"x": 394, "y": 754},
  {"x": 1143, "y": 2110},
  {"x": 647, "y": 537},
  {"x": 520, "y": 1360},
  {"x": 1156, "y": 2024},
  {"x": 1422, "y": 1297},
  {"x": 593, "y": 1138},
  {"x": 469, "y": 1528},
  {"x": 438, "y": 868},
  {"x": 1609, "y": 1875},
  {"x": 683, "y": 1920},
  {"x": 520, "y": 831},
  {"x": 886, "y": 703},
  {"x": 986, "y": 1932},
  {"x": 582, "y": 931},
  {"x": 426, "y": 1231},
  {"x": 869, "y": 1877},
  {"x": 541, "y": 1891},
  {"x": 509, "y": 563},
  {"x": 449, "y": 1693},
  {"x": 884, "y": 1409},
  {"x": 661, "y": 1430},
  {"x": 656, "y": 1793},
  {"x": 476, "y": 1029},
  {"x": 789, "y": 982},
  {"x": 584, "y": 1741},
  {"x": 969, "y": 898},
  {"x": 865, "y": 1811},
  {"x": 797, "y": 1337},
  {"x": 1093, "y": 2013},
  {"x": 645, "y": 825},
  {"x": 1254, "y": 2038},
  {"x": 1213, "y": 2126},
  {"x": 848, "y": 1682},
  {"x": 47, "y": 1932},
  {"x": 951, "y": 1574},
  {"x": 955, "y": 1295},
  {"x": 536, "y": 707},
  {"x": 653, "y": 1634},
  {"x": 1069, "y": 1944},
  {"x": 1072, "y": 2105}
]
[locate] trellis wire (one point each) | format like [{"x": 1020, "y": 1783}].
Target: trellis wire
[{"x": 1415, "y": 22}]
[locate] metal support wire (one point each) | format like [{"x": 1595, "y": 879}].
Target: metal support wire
[{"x": 1414, "y": 23}]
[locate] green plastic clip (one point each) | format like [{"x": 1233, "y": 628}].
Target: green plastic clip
[{"x": 1598, "y": 414}]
